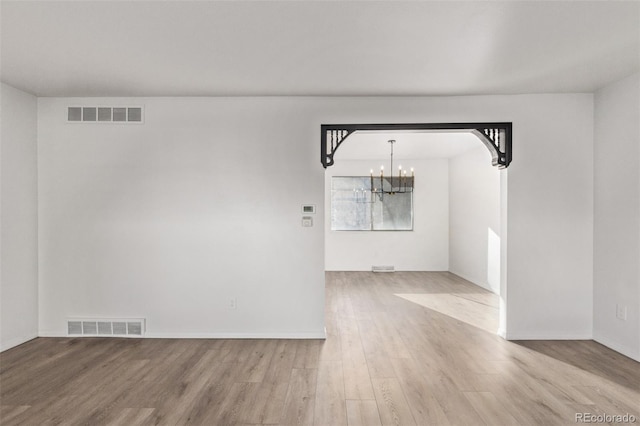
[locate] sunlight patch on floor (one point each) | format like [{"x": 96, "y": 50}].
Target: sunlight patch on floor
[{"x": 463, "y": 307}]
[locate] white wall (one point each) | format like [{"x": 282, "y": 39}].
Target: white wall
[
  {"x": 617, "y": 215},
  {"x": 18, "y": 218},
  {"x": 550, "y": 220},
  {"x": 426, "y": 248},
  {"x": 474, "y": 218},
  {"x": 169, "y": 219}
]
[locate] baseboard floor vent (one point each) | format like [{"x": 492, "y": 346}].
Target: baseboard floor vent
[
  {"x": 129, "y": 327},
  {"x": 105, "y": 114},
  {"x": 382, "y": 269}
]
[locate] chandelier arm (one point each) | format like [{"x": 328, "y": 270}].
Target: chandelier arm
[{"x": 391, "y": 166}]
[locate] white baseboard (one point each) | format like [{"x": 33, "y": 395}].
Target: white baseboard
[
  {"x": 473, "y": 281},
  {"x": 624, "y": 350},
  {"x": 502, "y": 333},
  {"x": 221, "y": 335},
  {"x": 550, "y": 336},
  {"x": 51, "y": 334},
  {"x": 16, "y": 341},
  {"x": 231, "y": 335}
]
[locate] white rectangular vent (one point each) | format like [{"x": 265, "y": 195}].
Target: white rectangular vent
[
  {"x": 121, "y": 327},
  {"x": 382, "y": 269},
  {"x": 105, "y": 114}
]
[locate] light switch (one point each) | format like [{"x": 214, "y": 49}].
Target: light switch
[{"x": 307, "y": 221}]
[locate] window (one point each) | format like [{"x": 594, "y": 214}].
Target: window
[{"x": 355, "y": 208}]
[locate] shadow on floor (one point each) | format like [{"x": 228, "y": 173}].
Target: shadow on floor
[{"x": 587, "y": 355}]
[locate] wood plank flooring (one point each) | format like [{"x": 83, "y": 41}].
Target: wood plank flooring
[{"x": 398, "y": 352}]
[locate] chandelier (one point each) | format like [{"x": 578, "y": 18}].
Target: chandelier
[{"x": 388, "y": 185}]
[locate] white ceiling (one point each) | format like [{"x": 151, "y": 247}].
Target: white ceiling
[
  {"x": 165, "y": 48},
  {"x": 409, "y": 145}
]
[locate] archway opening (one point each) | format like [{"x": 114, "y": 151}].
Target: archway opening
[{"x": 460, "y": 213}]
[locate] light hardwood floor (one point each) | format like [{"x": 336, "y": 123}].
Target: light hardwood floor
[{"x": 407, "y": 348}]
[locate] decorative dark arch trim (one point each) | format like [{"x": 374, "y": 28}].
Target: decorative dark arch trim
[{"x": 495, "y": 136}]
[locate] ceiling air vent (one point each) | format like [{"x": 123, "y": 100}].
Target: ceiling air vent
[
  {"x": 119, "y": 114},
  {"x": 134, "y": 114},
  {"x": 105, "y": 114},
  {"x": 121, "y": 327},
  {"x": 89, "y": 114},
  {"x": 74, "y": 114}
]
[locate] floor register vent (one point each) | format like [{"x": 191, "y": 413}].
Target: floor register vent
[
  {"x": 130, "y": 327},
  {"x": 382, "y": 269}
]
